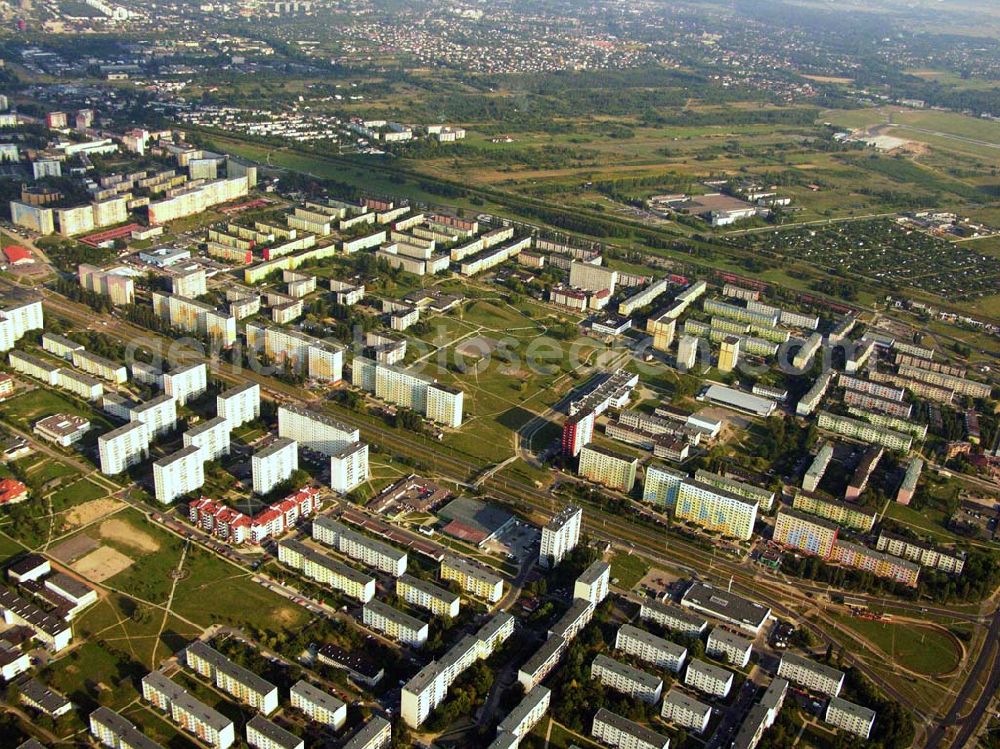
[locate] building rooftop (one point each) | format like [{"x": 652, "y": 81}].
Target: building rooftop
[
  {"x": 711, "y": 671},
  {"x": 276, "y": 735},
  {"x": 726, "y": 606},
  {"x": 551, "y": 646},
  {"x": 523, "y": 709},
  {"x": 580, "y": 607},
  {"x": 677, "y": 697},
  {"x": 564, "y": 515},
  {"x": 401, "y": 618},
  {"x": 275, "y": 447},
  {"x": 594, "y": 572},
  {"x": 184, "y": 452},
  {"x": 205, "y": 426},
  {"x": 739, "y": 400},
  {"x": 244, "y": 676},
  {"x": 643, "y": 678},
  {"x": 327, "y": 562},
  {"x": 483, "y": 519},
  {"x": 672, "y": 648},
  {"x": 631, "y": 728},
  {"x": 728, "y": 637},
  {"x": 827, "y": 672},
  {"x": 434, "y": 591},
  {"x": 379, "y": 547},
  {"x": 858, "y": 711},
  {"x": 369, "y": 731}
]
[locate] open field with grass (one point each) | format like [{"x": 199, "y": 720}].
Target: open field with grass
[
  {"x": 923, "y": 650},
  {"x": 629, "y": 569}
]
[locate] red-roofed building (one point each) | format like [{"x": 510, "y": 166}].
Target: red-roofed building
[
  {"x": 270, "y": 522},
  {"x": 463, "y": 532},
  {"x": 17, "y": 255},
  {"x": 12, "y": 492}
]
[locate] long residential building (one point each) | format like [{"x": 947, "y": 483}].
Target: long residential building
[
  {"x": 402, "y": 387},
  {"x": 878, "y": 563},
  {"x": 375, "y": 734},
  {"x": 262, "y": 733},
  {"x": 315, "y": 431},
  {"x": 394, "y": 623},
  {"x": 356, "y": 545},
  {"x": 231, "y": 678},
  {"x": 813, "y": 675},
  {"x": 864, "y": 431},
  {"x": 115, "y": 732},
  {"x": 527, "y": 713},
  {"x": 193, "y": 716},
  {"x": 439, "y": 601},
  {"x": 626, "y": 679},
  {"x": 849, "y": 717},
  {"x": 542, "y": 662},
  {"x": 672, "y": 617},
  {"x": 429, "y": 687},
  {"x": 843, "y": 513},
  {"x": 324, "y": 569},
  {"x": 650, "y": 648},
  {"x": 727, "y": 646},
  {"x": 615, "y": 731},
  {"x": 923, "y": 554},
  {"x": 716, "y": 509},
  {"x": 473, "y": 578}
]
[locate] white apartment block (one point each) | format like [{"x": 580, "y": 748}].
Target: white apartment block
[
  {"x": 527, "y": 713},
  {"x": 593, "y": 583},
  {"x": 729, "y": 647},
  {"x": 570, "y": 624},
  {"x": 650, "y": 648},
  {"x": 193, "y": 716},
  {"x": 560, "y": 535},
  {"x": 609, "y": 468},
  {"x": 179, "y": 473},
  {"x": 349, "y": 467},
  {"x": 542, "y": 662},
  {"x": 315, "y": 431},
  {"x": 100, "y": 367},
  {"x": 186, "y": 383},
  {"x": 673, "y": 618},
  {"x": 212, "y": 436},
  {"x": 239, "y": 405},
  {"x": 159, "y": 414},
  {"x": 445, "y": 405},
  {"x": 60, "y": 346},
  {"x": 814, "y": 676},
  {"x": 416, "y": 592},
  {"x": 317, "y": 566},
  {"x": 685, "y": 712},
  {"x": 34, "y": 366},
  {"x": 318, "y": 705},
  {"x": 241, "y": 683},
  {"x": 849, "y": 717},
  {"x": 615, "y": 731},
  {"x": 264, "y": 734},
  {"x": 114, "y": 732},
  {"x": 274, "y": 464},
  {"x": 709, "y": 679},
  {"x": 16, "y": 319},
  {"x": 375, "y": 734},
  {"x": 429, "y": 687},
  {"x": 123, "y": 447},
  {"x": 351, "y": 543},
  {"x": 473, "y": 578},
  {"x": 395, "y": 624},
  {"x": 626, "y": 679}
]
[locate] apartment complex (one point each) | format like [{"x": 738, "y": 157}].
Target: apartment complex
[
  {"x": 193, "y": 716},
  {"x": 685, "y": 712},
  {"x": 439, "y": 601},
  {"x": 715, "y": 509},
  {"x": 179, "y": 473},
  {"x": 727, "y": 646},
  {"x": 808, "y": 533},
  {"x": 842, "y": 513},
  {"x": 274, "y": 464},
  {"x": 814, "y": 676},
  {"x": 231, "y": 678},
  {"x": 123, "y": 447},
  {"x": 849, "y": 717},
  {"x": 439, "y": 403},
  {"x": 239, "y": 405},
  {"x": 349, "y": 467},
  {"x": 863, "y": 431},
  {"x": 615, "y": 731},
  {"x": 593, "y": 583},
  {"x": 317, "y": 566},
  {"x": 394, "y": 623},
  {"x": 560, "y": 535},
  {"x": 923, "y": 554},
  {"x": 429, "y": 687},
  {"x": 315, "y": 431},
  {"x": 473, "y": 578},
  {"x": 710, "y": 679},
  {"x": 114, "y": 732},
  {"x": 264, "y": 734},
  {"x": 609, "y": 468},
  {"x": 318, "y": 360},
  {"x": 212, "y": 436},
  {"x": 673, "y": 618},
  {"x": 358, "y": 546},
  {"x": 626, "y": 679},
  {"x": 186, "y": 382},
  {"x": 650, "y": 648}
]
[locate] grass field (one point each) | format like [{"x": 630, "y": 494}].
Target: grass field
[
  {"x": 629, "y": 569},
  {"x": 919, "y": 649}
]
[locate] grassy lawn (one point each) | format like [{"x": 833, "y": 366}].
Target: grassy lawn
[
  {"x": 919, "y": 649},
  {"x": 91, "y": 669},
  {"x": 76, "y": 493},
  {"x": 8, "y": 548},
  {"x": 155, "y": 554},
  {"x": 629, "y": 569},
  {"x": 928, "y": 521},
  {"x": 214, "y": 591}
]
